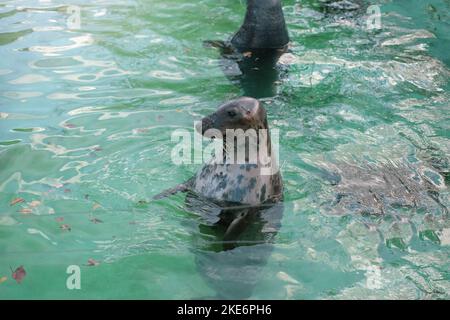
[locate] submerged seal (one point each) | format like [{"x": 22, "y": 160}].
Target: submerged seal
[{"x": 251, "y": 56}]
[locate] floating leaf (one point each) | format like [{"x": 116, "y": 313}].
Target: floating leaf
[
  {"x": 92, "y": 263},
  {"x": 3, "y": 279},
  {"x": 59, "y": 219},
  {"x": 95, "y": 220},
  {"x": 287, "y": 59},
  {"x": 19, "y": 274},
  {"x": 66, "y": 227},
  {"x": 96, "y": 206},
  {"x": 16, "y": 201},
  {"x": 67, "y": 190},
  {"x": 26, "y": 211}
]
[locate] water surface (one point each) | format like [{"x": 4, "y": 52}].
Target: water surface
[{"x": 86, "y": 117}]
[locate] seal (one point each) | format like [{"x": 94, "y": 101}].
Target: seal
[
  {"x": 223, "y": 179},
  {"x": 251, "y": 56},
  {"x": 264, "y": 27},
  {"x": 238, "y": 209}
]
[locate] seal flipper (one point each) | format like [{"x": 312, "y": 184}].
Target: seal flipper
[
  {"x": 225, "y": 47},
  {"x": 183, "y": 187},
  {"x": 235, "y": 229}
]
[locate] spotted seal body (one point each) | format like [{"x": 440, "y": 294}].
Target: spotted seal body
[
  {"x": 223, "y": 181},
  {"x": 243, "y": 183},
  {"x": 234, "y": 183}
]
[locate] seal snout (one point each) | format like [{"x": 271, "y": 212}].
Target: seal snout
[{"x": 242, "y": 113}]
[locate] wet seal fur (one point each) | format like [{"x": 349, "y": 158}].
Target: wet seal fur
[
  {"x": 263, "y": 28},
  {"x": 232, "y": 182},
  {"x": 235, "y": 183},
  {"x": 251, "y": 56}
]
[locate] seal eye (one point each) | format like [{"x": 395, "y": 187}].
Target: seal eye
[{"x": 231, "y": 114}]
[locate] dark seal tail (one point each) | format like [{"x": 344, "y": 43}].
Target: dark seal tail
[{"x": 263, "y": 28}]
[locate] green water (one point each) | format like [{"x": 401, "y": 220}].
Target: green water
[{"x": 86, "y": 117}]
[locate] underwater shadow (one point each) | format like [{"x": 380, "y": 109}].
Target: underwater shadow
[{"x": 234, "y": 243}]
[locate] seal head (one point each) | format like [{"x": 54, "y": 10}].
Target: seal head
[{"x": 243, "y": 113}]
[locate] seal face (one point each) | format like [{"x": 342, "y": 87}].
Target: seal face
[{"x": 224, "y": 180}]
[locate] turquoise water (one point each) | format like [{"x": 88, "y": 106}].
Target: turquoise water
[{"x": 86, "y": 117}]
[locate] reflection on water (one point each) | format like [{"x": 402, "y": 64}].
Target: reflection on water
[
  {"x": 257, "y": 72},
  {"x": 234, "y": 244},
  {"x": 86, "y": 117}
]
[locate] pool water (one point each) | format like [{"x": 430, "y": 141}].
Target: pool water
[{"x": 86, "y": 117}]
